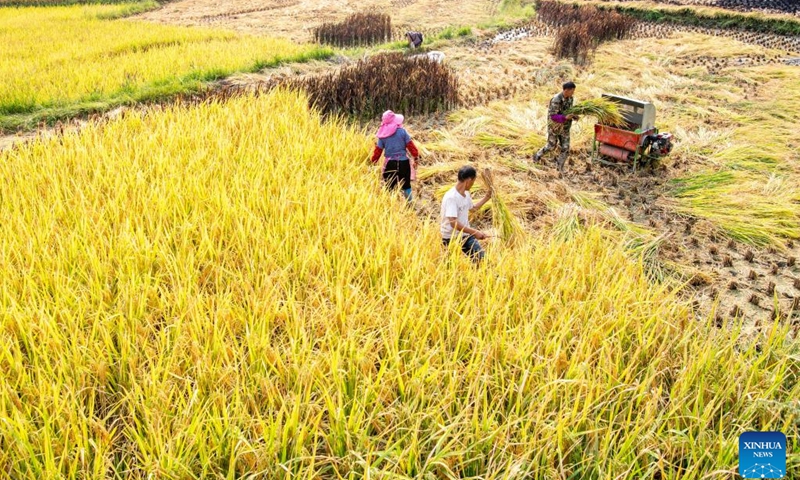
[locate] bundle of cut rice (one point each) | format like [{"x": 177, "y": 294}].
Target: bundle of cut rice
[
  {"x": 605, "y": 111},
  {"x": 504, "y": 221}
]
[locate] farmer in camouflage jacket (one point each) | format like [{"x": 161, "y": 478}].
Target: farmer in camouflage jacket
[{"x": 558, "y": 125}]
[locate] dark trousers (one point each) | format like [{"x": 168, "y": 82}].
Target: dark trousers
[
  {"x": 397, "y": 174},
  {"x": 556, "y": 137},
  {"x": 469, "y": 245}
]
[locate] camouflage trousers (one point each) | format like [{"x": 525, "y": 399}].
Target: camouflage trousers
[{"x": 556, "y": 138}]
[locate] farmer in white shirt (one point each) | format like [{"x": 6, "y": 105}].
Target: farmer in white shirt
[{"x": 456, "y": 205}]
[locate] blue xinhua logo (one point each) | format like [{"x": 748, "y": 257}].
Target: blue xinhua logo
[{"x": 762, "y": 455}]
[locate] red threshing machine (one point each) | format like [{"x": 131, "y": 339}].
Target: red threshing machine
[{"x": 637, "y": 142}]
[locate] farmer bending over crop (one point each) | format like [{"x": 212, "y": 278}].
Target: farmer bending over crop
[
  {"x": 558, "y": 125},
  {"x": 395, "y": 144},
  {"x": 414, "y": 39},
  {"x": 456, "y": 205}
]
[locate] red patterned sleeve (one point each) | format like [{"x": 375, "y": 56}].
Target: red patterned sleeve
[
  {"x": 376, "y": 154},
  {"x": 412, "y": 149}
]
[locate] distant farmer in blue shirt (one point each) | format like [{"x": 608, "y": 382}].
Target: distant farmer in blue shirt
[{"x": 395, "y": 144}]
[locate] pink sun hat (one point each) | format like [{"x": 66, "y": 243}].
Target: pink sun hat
[{"x": 390, "y": 122}]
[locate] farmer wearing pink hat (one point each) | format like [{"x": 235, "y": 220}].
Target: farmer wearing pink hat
[{"x": 395, "y": 144}]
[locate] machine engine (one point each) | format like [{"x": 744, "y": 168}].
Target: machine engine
[{"x": 660, "y": 144}]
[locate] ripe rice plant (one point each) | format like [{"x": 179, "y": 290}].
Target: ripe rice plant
[
  {"x": 381, "y": 82},
  {"x": 64, "y": 61},
  {"x": 431, "y": 171},
  {"x": 356, "y": 30}
]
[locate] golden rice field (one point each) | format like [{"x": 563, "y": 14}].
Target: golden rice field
[
  {"x": 63, "y": 61},
  {"x": 225, "y": 291}
]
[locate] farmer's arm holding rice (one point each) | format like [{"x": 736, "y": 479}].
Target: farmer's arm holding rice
[
  {"x": 482, "y": 201},
  {"x": 396, "y": 145}
]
